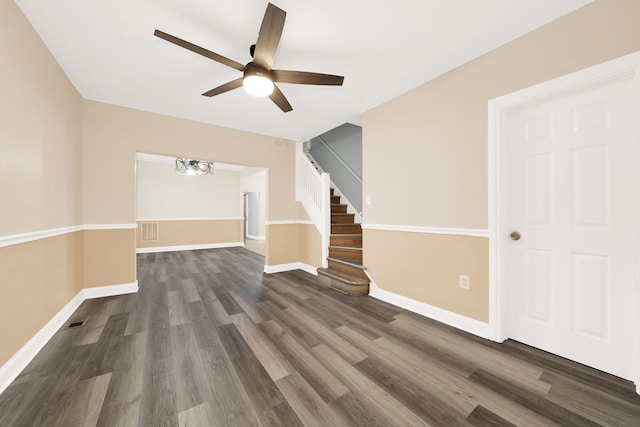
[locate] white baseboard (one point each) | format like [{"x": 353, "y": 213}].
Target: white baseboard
[
  {"x": 279, "y": 268},
  {"x": 458, "y": 321},
  {"x": 108, "y": 291},
  {"x": 10, "y": 370},
  {"x": 188, "y": 247},
  {"x": 249, "y": 236}
]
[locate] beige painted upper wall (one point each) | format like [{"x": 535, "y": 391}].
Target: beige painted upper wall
[
  {"x": 40, "y": 133},
  {"x": 113, "y": 134},
  {"x": 425, "y": 152}
]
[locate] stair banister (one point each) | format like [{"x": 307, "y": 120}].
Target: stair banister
[{"x": 312, "y": 190}]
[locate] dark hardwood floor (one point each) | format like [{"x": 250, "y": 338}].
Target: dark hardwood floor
[{"x": 209, "y": 340}]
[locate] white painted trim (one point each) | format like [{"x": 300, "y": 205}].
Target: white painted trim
[
  {"x": 14, "y": 366},
  {"x": 249, "y": 236},
  {"x": 455, "y": 320},
  {"x": 188, "y": 247},
  {"x": 289, "y": 221},
  {"x": 16, "y": 239},
  {"x": 109, "y": 226},
  {"x": 279, "y": 268},
  {"x": 471, "y": 232},
  {"x": 107, "y": 291},
  {"x": 190, "y": 219},
  {"x": 620, "y": 69}
]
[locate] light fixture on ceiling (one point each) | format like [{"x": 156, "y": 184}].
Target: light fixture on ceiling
[
  {"x": 193, "y": 167},
  {"x": 257, "y": 82}
]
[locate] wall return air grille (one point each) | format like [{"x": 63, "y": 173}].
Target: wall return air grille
[{"x": 149, "y": 232}]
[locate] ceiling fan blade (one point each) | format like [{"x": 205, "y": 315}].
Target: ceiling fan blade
[
  {"x": 234, "y": 84},
  {"x": 279, "y": 99},
  {"x": 199, "y": 50},
  {"x": 269, "y": 36},
  {"x": 305, "y": 78}
]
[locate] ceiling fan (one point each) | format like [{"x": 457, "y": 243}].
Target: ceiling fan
[{"x": 258, "y": 77}]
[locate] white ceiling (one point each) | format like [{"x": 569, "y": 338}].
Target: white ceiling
[{"x": 383, "y": 48}]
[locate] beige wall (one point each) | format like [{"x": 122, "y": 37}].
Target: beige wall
[
  {"x": 40, "y": 133},
  {"x": 109, "y": 257},
  {"x": 310, "y": 245},
  {"x": 194, "y": 232},
  {"x": 113, "y": 134},
  {"x": 439, "y": 257},
  {"x": 37, "y": 279},
  {"x": 40, "y": 182},
  {"x": 294, "y": 243},
  {"x": 425, "y": 152}
]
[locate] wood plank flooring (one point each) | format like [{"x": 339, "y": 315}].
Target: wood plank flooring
[{"x": 209, "y": 340}]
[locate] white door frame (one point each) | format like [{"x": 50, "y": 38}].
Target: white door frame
[{"x": 620, "y": 69}]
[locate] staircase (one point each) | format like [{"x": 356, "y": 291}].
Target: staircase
[{"x": 345, "y": 272}]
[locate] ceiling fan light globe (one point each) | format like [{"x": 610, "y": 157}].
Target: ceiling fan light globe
[{"x": 258, "y": 85}]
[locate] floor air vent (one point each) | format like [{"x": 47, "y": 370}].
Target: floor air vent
[{"x": 76, "y": 323}]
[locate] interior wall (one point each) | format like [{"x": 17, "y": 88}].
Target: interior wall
[
  {"x": 193, "y": 233},
  {"x": 346, "y": 142},
  {"x": 37, "y": 279},
  {"x": 305, "y": 238},
  {"x": 40, "y": 133},
  {"x": 113, "y": 134},
  {"x": 40, "y": 154},
  {"x": 436, "y": 135},
  {"x": 164, "y": 194}
]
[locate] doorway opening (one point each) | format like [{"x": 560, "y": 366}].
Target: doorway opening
[{"x": 253, "y": 240}]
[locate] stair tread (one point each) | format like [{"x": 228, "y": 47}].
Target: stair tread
[
  {"x": 351, "y": 262},
  {"x": 346, "y": 235},
  {"x": 343, "y": 213},
  {"x": 346, "y": 248},
  {"x": 343, "y": 277}
]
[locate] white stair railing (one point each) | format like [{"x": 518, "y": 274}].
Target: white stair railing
[{"x": 312, "y": 190}]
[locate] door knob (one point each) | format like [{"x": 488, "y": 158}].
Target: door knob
[{"x": 515, "y": 235}]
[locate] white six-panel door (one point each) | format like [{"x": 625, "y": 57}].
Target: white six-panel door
[{"x": 572, "y": 194}]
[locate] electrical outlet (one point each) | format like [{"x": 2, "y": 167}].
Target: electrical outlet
[
  {"x": 465, "y": 282},
  {"x": 368, "y": 200}
]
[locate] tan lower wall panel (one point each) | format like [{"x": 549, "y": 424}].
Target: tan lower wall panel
[
  {"x": 37, "y": 279},
  {"x": 109, "y": 257},
  {"x": 283, "y": 243},
  {"x": 194, "y": 232},
  {"x": 310, "y": 245},
  {"x": 426, "y": 267},
  {"x": 287, "y": 243}
]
